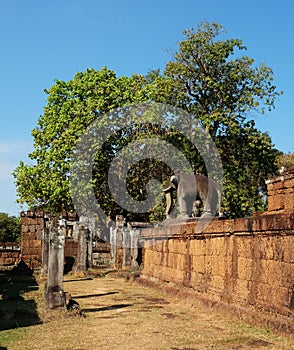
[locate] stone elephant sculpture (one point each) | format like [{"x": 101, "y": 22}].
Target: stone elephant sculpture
[{"x": 192, "y": 189}]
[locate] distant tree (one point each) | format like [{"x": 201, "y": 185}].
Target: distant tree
[
  {"x": 285, "y": 160},
  {"x": 9, "y": 228}
]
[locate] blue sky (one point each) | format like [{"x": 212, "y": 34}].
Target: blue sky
[{"x": 46, "y": 40}]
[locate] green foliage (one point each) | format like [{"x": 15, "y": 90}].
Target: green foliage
[
  {"x": 9, "y": 228},
  {"x": 137, "y": 177},
  {"x": 247, "y": 166}
]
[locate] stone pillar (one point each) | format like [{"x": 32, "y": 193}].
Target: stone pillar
[
  {"x": 54, "y": 294},
  {"x": 127, "y": 255},
  {"x": 90, "y": 223},
  {"x": 118, "y": 263},
  {"x": 112, "y": 240},
  {"x": 45, "y": 250},
  {"x": 116, "y": 243},
  {"x": 81, "y": 263},
  {"x": 135, "y": 236},
  {"x": 89, "y": 250}
]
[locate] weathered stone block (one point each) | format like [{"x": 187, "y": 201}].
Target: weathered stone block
[
  {"x": 289, "y": 202},
  {"x": 244, "y": 268},
  {"x": 241, "y": 289},
  {"x": 195, "y": 279},
  {"x": 289, "y": 181},
  {"x": 217, "y": 283},
  {"x": 194, "y": 247},
  {"x": 178, "y": 246},
  {"x": 180, "y": 262},
  {"x": 198, "y": 264},
  {"x": 179, "y": 276},
  {"x": 215, "y": 270},
  {"x": 275, "y": 203},
  {"x": 288, "y": 250},
  {"x": 170, "y": 260},
  {"x": 164, "y": 259},
  {"x": 165, "y": 246},
  {"x": 222, "y": 264},
  {"x": 218, "y": 246}
]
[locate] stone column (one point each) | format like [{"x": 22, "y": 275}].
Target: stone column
[
  {"x": 89, "y": 222},
  {"x": 127, "y": 255},
  {"x": 118, "y": 263},
  {"x": 45, "y": 250},
  {"x": 89, "y": 242},
  {"x": 54, "y": 294},
  {"x": 135, "y": 235},
  {"x": 112, "y": 240},
  {"x": 116, "y": 243},
  {"x": 81, "y": 263}
]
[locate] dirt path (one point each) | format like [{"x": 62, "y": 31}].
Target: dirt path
[{"x": 126, "y": 315}]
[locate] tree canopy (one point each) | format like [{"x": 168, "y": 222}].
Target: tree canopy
[{"x": 208, "y": 77}]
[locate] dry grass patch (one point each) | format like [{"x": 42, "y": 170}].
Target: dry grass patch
[{"x": 124, "y": 315}]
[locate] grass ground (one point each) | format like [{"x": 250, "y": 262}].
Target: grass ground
[{"x": 120, "y": 314}]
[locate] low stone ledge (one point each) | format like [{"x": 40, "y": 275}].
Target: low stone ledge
[{"x": 269, "y": 224}]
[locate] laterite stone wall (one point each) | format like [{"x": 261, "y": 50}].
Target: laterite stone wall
[
  {"x": 32, "y": 228},
  {"x": 281, "y": 193},
  {"x": 246, "y": 262},
  {"x": 9, "y": 254},
  {"x": 237, "y": 265}
]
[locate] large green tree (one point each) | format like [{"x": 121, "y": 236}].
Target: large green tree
[
  {"x": 71, "y": 107},
  {"x": 208, "y": 77},
  {"x": 225, "y": 90}
]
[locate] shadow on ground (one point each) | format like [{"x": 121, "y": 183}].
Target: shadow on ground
[
  {"x": 105, "y": 308},
  {"x": 94, "y": 295},
  {"x": 79, "y": 280},
  {"x": 15, "y": 310}
]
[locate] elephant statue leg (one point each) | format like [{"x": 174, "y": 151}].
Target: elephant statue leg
[
  {"x": 185, "y": 207},
  {"x": 168, "y": 197}
]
